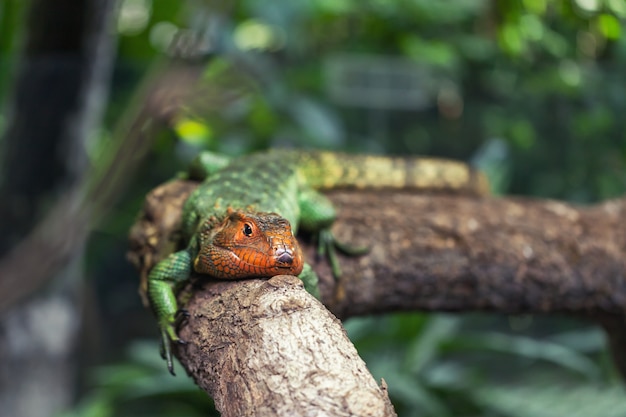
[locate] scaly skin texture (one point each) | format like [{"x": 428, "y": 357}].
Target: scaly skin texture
[
  {"x": 240, "y": 222},
  {"x": 248, "y": 245}
]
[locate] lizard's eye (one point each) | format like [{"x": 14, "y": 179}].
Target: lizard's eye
[{"x": 247, "y": 229}]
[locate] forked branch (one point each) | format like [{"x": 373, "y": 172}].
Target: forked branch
[{"x": 427, "y": 252}]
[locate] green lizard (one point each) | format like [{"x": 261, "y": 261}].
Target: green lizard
[{"x": 241, "y": 221}]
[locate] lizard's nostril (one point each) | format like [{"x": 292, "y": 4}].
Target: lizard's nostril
[{"x": 284, "y": 256}]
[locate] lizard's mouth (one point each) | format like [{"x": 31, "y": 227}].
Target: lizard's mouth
[
  {"x": 250, "y": 246},
  {"x": 245, "y": 261},
  {"x": 284, "y": 257}
]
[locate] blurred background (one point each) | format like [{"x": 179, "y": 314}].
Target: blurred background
[{"x": 102, "y": 101}]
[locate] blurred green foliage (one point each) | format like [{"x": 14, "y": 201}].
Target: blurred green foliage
[
  {"x": 531, "y": 90},
  {"x": 140, "y": 387}
]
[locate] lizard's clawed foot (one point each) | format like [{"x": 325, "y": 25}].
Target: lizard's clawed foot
[
  {"x": 328, "y": 246},
  {"x": 168, "y": 334},
  {"x": 180, "y": 317}
]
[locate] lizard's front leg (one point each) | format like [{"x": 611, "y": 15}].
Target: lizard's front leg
[
  {"x": 310, "y": 280},
  {"x": 206, "y": 164},
  {"x": 163, "y": 278},
  {"x": 317, "y": 215}
]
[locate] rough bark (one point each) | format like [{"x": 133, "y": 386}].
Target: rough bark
[
  {"x": 268, "y": 348},
  {"x": 509, "y": 255},
  {"x": 427, "y": 252}
]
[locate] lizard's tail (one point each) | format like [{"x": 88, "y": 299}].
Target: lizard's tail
[{"x": 326, "y": 170}]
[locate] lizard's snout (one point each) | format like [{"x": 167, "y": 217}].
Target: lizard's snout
[{"x": 284, "y": 256}]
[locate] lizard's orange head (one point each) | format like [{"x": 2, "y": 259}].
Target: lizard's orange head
[{"x": 249, "y": 245}]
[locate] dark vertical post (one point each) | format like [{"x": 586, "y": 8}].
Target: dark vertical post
[{"x": 56, "y": 100}]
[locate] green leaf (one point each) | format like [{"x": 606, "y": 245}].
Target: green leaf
[
  {"x": 552, "y": 400},
  {"x": 91, "y": 406},
  {"x": 609, "y": 26},
  {"x": 434, "y": 53},
  {"x": 408, "y": 389},
  {"x": 193, "y": 132},
  {"x": 511, "y": 39},
  {"x": 533, "y": 349},
  {"x": 425, "y": 348},
  {"x": 590, "y": 340}
]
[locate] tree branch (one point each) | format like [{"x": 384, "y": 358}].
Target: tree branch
[
  {"x": 510, "y": 255},
  {"x": 267, "y": 347}
]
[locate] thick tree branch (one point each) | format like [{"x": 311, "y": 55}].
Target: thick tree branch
[
  {"x": 509, "y": 255},
  {"x": 429, "y": 252},
  {"x": 268, "y": 348}
]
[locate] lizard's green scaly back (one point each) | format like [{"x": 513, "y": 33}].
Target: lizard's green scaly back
[
  {"x": 272, "y": 181},
  {"x": 262, "y": 182}
]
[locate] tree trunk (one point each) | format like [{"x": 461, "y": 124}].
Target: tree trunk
[{"x": 57, "y": 100}]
